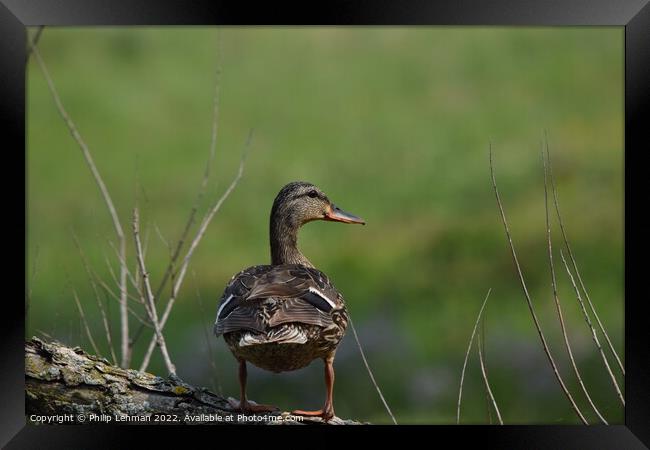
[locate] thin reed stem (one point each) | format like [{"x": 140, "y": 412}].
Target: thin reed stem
[
  {"x": 485, "y": 380},
  {"x": 372, "y": 377},
  {"x": 529, "y": 302},
  {"x": 575, "y": 264},
  {"x": 593, "y": 331},
  {"x": 556, "y": 297},
  {"x": 469, "y": 348}
]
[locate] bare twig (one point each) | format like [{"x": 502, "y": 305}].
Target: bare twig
[
  {"x": 124, "y": 316},
  {"x": 197, "y": 239},
  {"x": 105, "y": 194},
  {"x": 575, "y": 264},
  {"x": 485, "y": 379},
  {"x": 151, "y": 308},
  {"x": 140, "y": 300},
  {"x": 202, "y": 190},
  {"x": 372, "y": 377},
  {"x": 136, "y": 268},
  {"x": 469, "y": 348},
  {"x": 85, "y": 322},
  {"x": 100, "y": 305},
  {"x": 163, "y": 240},
  {"x": 593, "y": 331},
  {"x": 558, "y": 306},
  {"x": 528, "y": 299},
  {"x": 114, "y": 278},
  {"x": 208, "y": 339},
  {"x": 138, "y": 286},
  {"x": 112, "y": 294},
  {"x": 130, "y": 276}
]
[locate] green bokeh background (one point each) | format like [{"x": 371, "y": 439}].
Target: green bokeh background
[{"x": 394, "y": 125}]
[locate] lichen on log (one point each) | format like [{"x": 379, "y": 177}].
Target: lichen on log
[{"x": 64, "y": 384}]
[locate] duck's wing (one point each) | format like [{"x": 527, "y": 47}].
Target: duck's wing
[
  {"x": 232, "y": 313},
  {"x": 266, "y": 296}
]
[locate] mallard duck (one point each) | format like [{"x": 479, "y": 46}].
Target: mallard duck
[{"x": 282, "y": 316}]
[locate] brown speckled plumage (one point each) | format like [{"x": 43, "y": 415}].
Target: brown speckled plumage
[{"x": 281, "y": 332}]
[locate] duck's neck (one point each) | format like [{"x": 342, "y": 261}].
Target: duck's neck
[{"x": 284, "y": 242}]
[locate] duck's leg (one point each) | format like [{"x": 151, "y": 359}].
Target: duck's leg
[
  {"x": 328, "y": 409},
  {"x": 243, "y": 404}
]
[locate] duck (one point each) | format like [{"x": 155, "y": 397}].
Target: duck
[{"x": 282, "y": 316}]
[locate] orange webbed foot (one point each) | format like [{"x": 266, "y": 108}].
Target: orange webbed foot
[{"x": 325, "y": 414}]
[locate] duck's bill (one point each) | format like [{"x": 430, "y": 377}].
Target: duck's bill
[{"x": 336, "y": 214}]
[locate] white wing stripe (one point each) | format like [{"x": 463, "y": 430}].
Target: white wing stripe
[
  {"x": 323, "y": 296},
  {"x": 224, "y": 304}
]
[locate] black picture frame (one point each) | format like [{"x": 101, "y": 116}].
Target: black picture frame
[{"x": 633, "y": 15}]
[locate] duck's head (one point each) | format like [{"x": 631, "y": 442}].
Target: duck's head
[
  {"x": 300, "y": 202},
  {"x": 296, "y": 204}
]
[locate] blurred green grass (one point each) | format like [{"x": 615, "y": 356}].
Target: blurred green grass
[{"x": 394, "y": 124}]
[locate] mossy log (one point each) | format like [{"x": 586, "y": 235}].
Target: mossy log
[{"x": 64, "y": 384}]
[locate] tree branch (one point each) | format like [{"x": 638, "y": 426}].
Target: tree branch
[{"x": 62, "y": 380}]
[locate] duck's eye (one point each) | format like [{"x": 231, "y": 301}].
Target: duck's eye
[{"x": 312, "y": 194}]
